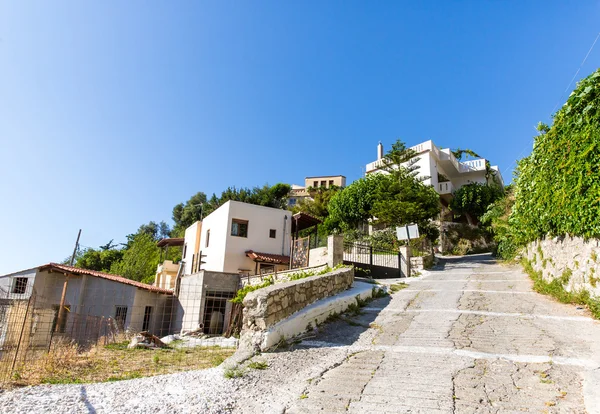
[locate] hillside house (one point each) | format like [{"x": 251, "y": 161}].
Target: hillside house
[
  {"x": 299, "y": 192},
  {"x": 92, "y": 302},
  {"x": 440, "y": 169}
]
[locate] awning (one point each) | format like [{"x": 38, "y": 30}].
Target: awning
[
  {"x": 301, "y": 221},
  {"x": 177, "y": 241},
  {"x": 268, "y": 257}
]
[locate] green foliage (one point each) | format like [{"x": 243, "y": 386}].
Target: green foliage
[
  {"x": 198, "y": 206},
  {"x": 460, "y": 153},
  {"x": 495, "y": 220},
  {"x": 353, "y": 205},
  {"x": 397, "y": 287},
  {"x": 260, "y": 365},
  {"x": 100, "y": 260},
  {"x": 558, "y": 185},
  {"x": 139, "y": 260},
  {"x": 472, "y": 200},
  {"x": 235, "y": 372},
  {"x": 389, "y": 200},
  {"x": 556, "y": 289},
  {"x": 241, "y": 294}
]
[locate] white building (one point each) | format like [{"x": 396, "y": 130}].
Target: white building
[
  {"x": 312, "y": 184},
  {"x": 441, "y": 169},
  {"x": 239, "y": 238}
]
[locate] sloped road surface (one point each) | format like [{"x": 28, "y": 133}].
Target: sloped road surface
[{"x": 470, "y": 337}]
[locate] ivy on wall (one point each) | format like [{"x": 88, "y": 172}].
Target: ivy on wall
[{"x": 557, "y": 188}]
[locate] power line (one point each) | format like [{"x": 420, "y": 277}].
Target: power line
[{"x": 559, "y": 100}]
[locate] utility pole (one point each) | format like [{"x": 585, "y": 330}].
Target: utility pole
[
  {"x": 75, "y": 249},
  {"x": 61, "y": 307}
]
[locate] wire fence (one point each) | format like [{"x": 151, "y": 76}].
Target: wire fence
[{"x": 107, "y": 331}]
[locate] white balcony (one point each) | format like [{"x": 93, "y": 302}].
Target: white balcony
[
  {"x": 445, "y": 188},
  {"x": 472, "y": 165}
]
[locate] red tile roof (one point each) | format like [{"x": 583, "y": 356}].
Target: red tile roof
[
  {"x": 268, "y": 257},
  {"x": 76, "y": 270}
]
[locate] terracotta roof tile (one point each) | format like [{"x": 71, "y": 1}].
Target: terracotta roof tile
[
  {"x": 108, "y": 276},
  {"x": 268, "y": 257}
]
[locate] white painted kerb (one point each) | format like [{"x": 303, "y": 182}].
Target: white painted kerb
[{"x": 317, "y": 312}]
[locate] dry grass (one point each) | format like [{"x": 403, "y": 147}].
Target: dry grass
[{"x": 65, "y": 364}]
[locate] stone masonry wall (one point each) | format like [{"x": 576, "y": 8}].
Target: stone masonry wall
[
  {"x": 554, "y": 257},
  {"x": 265, "y": 307}
]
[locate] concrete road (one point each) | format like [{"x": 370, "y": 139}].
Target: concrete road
[{"x": 468, "y": 337}]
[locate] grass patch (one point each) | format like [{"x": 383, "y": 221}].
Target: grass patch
[
  {"x": 398, "y": 286},
  {"x": 258, "y": 365},
  {"x": 556, "y": 289},
  {"x": 66, "y": 364},
  {"x": 231, "y": 373},
  {"x": 378, "y": 293}
]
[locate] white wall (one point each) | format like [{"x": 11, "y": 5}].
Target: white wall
[
  {"x": 227, "y": 253},
  {"x": 190, "y": 246},
  {"x": 219, "y": 225},
  {"x": 7, "y": 283},
  {"x": 260, "y": 221}
]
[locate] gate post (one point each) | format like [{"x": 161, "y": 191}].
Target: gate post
[
  {"x": 404, "y": 261},
  {"x": 335, "y": 250}
]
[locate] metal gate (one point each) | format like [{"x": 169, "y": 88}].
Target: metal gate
[
  {"x": 373, "y": 262},
  {"x": 300, "y": 252}
]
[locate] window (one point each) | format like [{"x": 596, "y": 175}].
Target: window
[
  {"x": 239, "y": 228},
  {"x": 121, "y": 316},
  {"x": 272, "y": 233},
  {"x": 330, "y": 183},
  {"x": 292, "y": 201},
  {"x": 207, "y": 237},
  {"x": 20, "y": 285},
  {"x": 147, "y": 318},
  {"x": 184, "y": 250},
  {"x": 315, "y": 184},
  {"x": 323, "y": 183}
]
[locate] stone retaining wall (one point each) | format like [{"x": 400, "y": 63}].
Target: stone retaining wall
[
  {"x": 264, "y": 307},
  {"x": 570, "y": 255}
]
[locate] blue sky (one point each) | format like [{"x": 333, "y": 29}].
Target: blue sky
[{"x": 113, "y": 112}]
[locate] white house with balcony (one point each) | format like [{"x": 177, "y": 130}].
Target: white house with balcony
[{"x": 440, "y": 168}]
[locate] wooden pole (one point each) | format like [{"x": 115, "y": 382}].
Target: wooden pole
[{"x": 61, "y": 307}]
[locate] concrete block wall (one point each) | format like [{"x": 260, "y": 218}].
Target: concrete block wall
[{"x": 555, "y": 256}]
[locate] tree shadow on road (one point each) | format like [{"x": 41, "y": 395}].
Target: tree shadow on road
[
  {"x": 344, "y": 329},
  {"x": 463, "y": 262}
]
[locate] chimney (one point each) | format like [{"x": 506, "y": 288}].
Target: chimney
[{"x": 379, "y": 150}]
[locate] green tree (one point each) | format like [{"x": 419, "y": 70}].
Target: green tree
[
  {"x": 460, "y": 153},
  {"x": 472, "y": 200},
  {"x": 496, "y": 221},
  {"x": 100, "y": 260},
  {"x": 354, "y": 204},
  {"x": 198, "y": 206},
  {"x": 139, "y": 260},
  {"x": 392, "y": 198}
]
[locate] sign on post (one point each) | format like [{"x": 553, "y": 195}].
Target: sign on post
[{"x": 408, "y": 232}]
